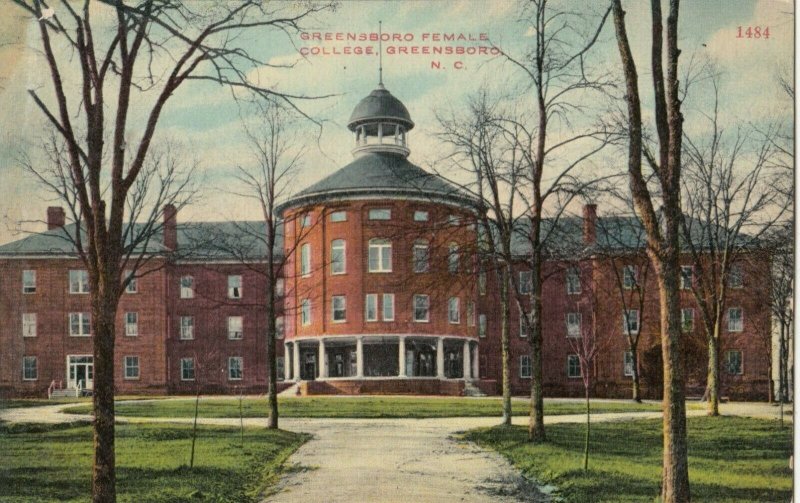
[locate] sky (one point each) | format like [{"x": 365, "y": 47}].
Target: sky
[{"x": 207, "y": 121}]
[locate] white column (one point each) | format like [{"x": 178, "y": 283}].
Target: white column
[
  {"x": 380, "y": 132},
  {"x": 296, "y": 357},
  {"x": 359, "y": 357},
  {"x": 476, "y": 364},
  {"x": 440, "y": 357},
  {"x": 287, "y": 362},
  {"x": 401, "y": 356},
  {"x": 323, "y": 362},
  {"x": 467, "y": 365}
]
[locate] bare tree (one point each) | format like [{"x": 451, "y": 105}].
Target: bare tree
[
  {"x": 663, "y": 231},
  {"x": 781, "y": 303},
  {"x": 153, "y": 48}
]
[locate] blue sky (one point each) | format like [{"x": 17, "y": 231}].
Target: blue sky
[{"x": 206, "y": 120}]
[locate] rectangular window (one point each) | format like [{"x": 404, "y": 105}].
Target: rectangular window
[
  {"x": 305, "y": 221},
  {"x": 420, "y": 216},
  {"x": 131, "y": 367},
  {"x": 380, "y": 214},
  {"x": 453, "y": 259},
  {"x": 187, "y": 287},
  {"x": 28, "y": 281},
  {"x": 471, "y": 313},
  {"x": 630, "y": 321},
  {"x": 30, "y": 372},
  {"x": 482, "y": 325},
  {"x": 234, "y": 287},
  {"x": 305, "y": 260},
  {"x": 482, "y": 280},
  {"x": 339, "y": 216},
  {"x": 371, "y": 307},
  {"x": 422, "y": 305},
  {"x": 305, "y": 312},
  {"x": 733, "y": 362},
  {"x": 525, "y": 367},
  {"x": 29, "y": 324},
  {"x": 525, "y": 282},
  {"x": 573, "y": 324},
  {"x": 629, "y": 277},
  {"x": 187, "y": 327},
  {"x": 79, "y": 324},
  {"x": 78, "y": 281},
  {"x": 735, "y": 319},
  {"x": 523, "y": 331},
  {"x": 687, "y": 277},
  {"x": 132, "y": 287},
  {"x": 380, "y": 255},
  {"x": 454, "y": 310},
  {"x": 338, "y": 308},
  {"x": 235, "y": 327},
  {"x": 388, "y": 307},
  {"x": 573, "y": 281},
  {"x": 421, "y": 256},
  {"x": 131, "y": 324},
  {"x": 187, "y": 369},
  {"x": 338, "y": 264},
  {"x": 280, "y": 329},
  {"x": 687, "y": 319},
  {"x": 627, "y": 363},
  {"x": 573, "y": 366},
  {"x": 453, "y": 220},
  {"x": 280, "y": 287},
  {"x": 235, "y": 368},
  {"x": 735, "y": 277},
  {"x": 280, "y": 368}
]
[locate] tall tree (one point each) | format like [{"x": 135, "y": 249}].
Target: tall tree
[
  {"x": 152, "y": 49},
  {"x": 663, "y": 231}
]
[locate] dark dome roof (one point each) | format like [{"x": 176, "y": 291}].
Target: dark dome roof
[{"x": 380, "y": 104}]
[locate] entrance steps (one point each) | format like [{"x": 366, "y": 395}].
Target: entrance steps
[
  {"x": 472, "y": 390},
  {"x": 292, "y": 390},
  {"x": 65, "y": 392}
]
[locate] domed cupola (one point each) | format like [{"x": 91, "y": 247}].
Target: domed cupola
[{"x": 381, "y": 123}]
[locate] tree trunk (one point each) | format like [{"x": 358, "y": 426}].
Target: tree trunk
[
  {"x": 712, "y": 383},
  {"x": 272, "y": 379},
  {"x": 637, "y": 394},
  {"x": 104, "y": 307},
  {"x": 505, "y": 345},
  {"x": 588, "y": 431},
  {"x": 536, "y": 422},
  {"x": 194, "y": 425}
]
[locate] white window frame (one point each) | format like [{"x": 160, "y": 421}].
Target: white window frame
[
  {"x": 132, "y": 286},
  {"x": 481, "y": 280},
  {"x": 686, "y": 277},
  {"x": 627, "y": 363},
  {"x": 29, "y": 324},
  {"x": 379, "y": 247},
  {"x": 379, "y": 214},
  {"x": 453, "y": 220},
  {"x": 339, "y": 246},
  {"x": 305, "y": 260},
  {"x": 728, "y": 361},
  {"x": 421, "y": 216},
  {"x": 280, "y": 287},
  {"x": 26, "y": 367},
  {"x": 737, "y": 327},
  {"x": 573, "y": 281},
  {"x": 626, "y": 314},
  {"x": 574, "y": 321},
  {"x": 339, "y": 216},
  {"x": 522, "y": 332},
  {"x": 471, "y": 315},
  {"x": 629, "y": 277},
  {"x": 128, "y": 365},
  {"x": 235, "y": 286},
  {"x": 239, "y": 363},
  {"x": 280, "y": 364},
  {"x": 305, "y": 221},
  {"x": 338, "y": 305},
  {"x": 525, "y": 371},
  {"x": 235, "y": 328},
  {"x": 687, "y": 319},
  {"x": 570, "y": 359},
  {"x": 426, "y": 300},
  {"x": 187, "y": 287},
  {"x": 280, "y": 327},
  {"x": 305, "y": 312},
  {"x": 29, "y": 281},
  {"x": 131, "y": 327},
  {"x": 736, "y": 277},
  {"x": 525, "y": 282},
  {"x": 388, "y": 305},
  {"x": 482, "y": 325},
  {"x": 78, "y": 281},
  {"x": 371, "y": 307},
  {"x": 186, "y": 328},
  {"x": 84, "y": 321},
  {"x": 421, "y": 257},
  {"x": 454, "y": 310},
  {"x": 187, "y": 366},
  {"x": 453, "y": 258}
]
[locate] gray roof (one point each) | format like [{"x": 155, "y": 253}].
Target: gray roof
[
  {"x": 379, "y": 104},
  {"x": 380, "y": 173}
]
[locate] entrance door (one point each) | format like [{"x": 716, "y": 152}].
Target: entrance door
[
  {"x": 309, "y": 371},
  {"x": 80, "y": 371}
]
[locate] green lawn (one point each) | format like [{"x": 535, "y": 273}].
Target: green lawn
[
  {"x": 13, "y": 403},
  {"x": 730, "y": 459},
  {"x": 359, "y": 407},
  {"x": 53, "y": 463}
]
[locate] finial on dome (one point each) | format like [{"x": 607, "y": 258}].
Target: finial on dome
[{"x": 380, "y": 55}]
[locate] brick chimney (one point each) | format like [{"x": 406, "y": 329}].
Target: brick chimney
[
  {"x": 589, "y": 223},
  {"x": 170, "y": 227},
  {"x": 55, "y": 217}
]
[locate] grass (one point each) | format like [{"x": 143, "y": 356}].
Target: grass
[
  {"x": 360, "y": 407},
  {"x": 14, "y": 403},
  {"x": 731, "y": 459},
  {"x": 53, "y": 462}
]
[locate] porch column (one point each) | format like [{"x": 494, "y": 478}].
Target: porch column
[
  {"x": 440, "y": 357},
  {"x": 323, "y": 362},
  {"x": 296, "y": 361},
  {"x": 401, "y": 356},
  {"x": 476, "y": 364},
  {"x": 287, "y": 362},
  {"x": 466, "y": 362},
  {"x": 359, "y": 357}
]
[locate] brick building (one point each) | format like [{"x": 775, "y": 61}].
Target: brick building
[{"x": 381, "y": 293}]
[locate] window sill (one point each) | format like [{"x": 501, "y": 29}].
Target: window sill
[
  {"x": 185, "y": 338},
  {"x": 28, "y": 336},
  {"x": 79, "y": 293},
  {"x": 234, "y": 378},
  {"x": 80, "y": 335},
  {"x": 29, "y": 379},
  {"x": 380, "y": 272},
  {"x": 29, "y": 293},
  {"x": 186, "y": 380},
  {"x": 131, "y": 378}
]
